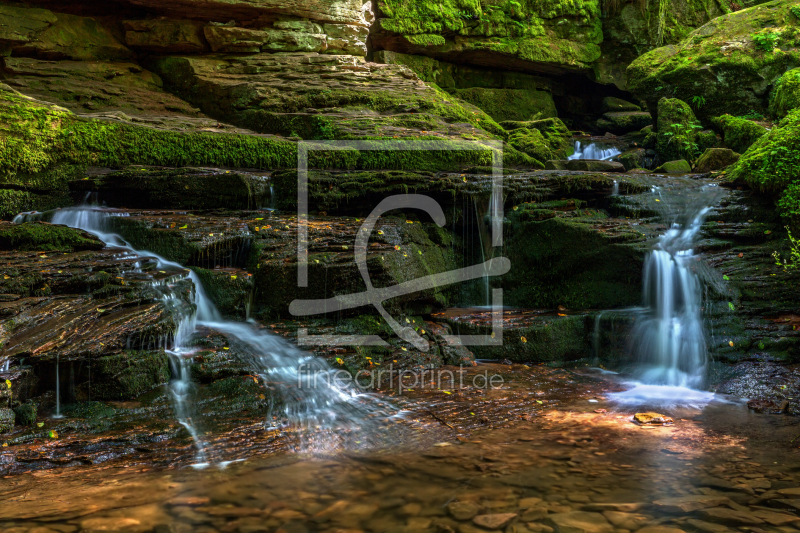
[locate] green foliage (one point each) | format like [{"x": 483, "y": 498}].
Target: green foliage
[
  {"x": 786, "y": 94},
  {"x": 766, "y": 40},
  {"x": 698, "y": 101},
  {"x": 738, "y": 133},
  {"x": 795, "y": 10},
  {"x": 790, "y": 261}
]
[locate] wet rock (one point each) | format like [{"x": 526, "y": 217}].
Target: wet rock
[
  {"x": 26, "y": 414},
  {"x": 590, "y": 165},
  {"x": 680, "y": 166},
  {"x": 774, "y": 518},
  {"x": 7, "y": 418},
  {"x": 708, "y": 527},
  {"x": 42, "y": 236},
  {"x": 555, "y": 164},
  {"x": 620, "y": 123},
  {"x": 715, "y": 159},
  {"x": 615, "y": 507},
  {"x": 635, "y": 158},
  {"x": 653, "y": 419},
  {"x": 126, "y": 375},
  {"x": 628, "y": 521},
  {"x": 688, "y": 504},
  {"x": 579, "y": 522},
  {"x": 731, "y": 516},
  {"x": 761, "y": 405},
  {"x": 494, "y": 521},
  {"x": 463, "y": 510}
]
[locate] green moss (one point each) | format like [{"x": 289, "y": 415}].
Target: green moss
[
  {"x": 230, "y": 292},
  {"x": 126, "y": 375},
  {"x": 772, "y": 163},
  {"x": 426, "y": 39},
  {"x": 510, "y": 104},
  {"x": 680, "y": 166},
  {"x": 739, "y": 133},
  {"x": 786, "y": 94},
  {"x": 554, "y": 132},
  {"x": 40, "y": 236},
  {"x": 26, "y": 414},
  {"x": 677, "y": 131}
]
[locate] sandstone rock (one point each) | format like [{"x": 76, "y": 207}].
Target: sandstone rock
[
  {"x": 621, "y": 123},
  {"x": 245, "y": 40},
  {"x": 463, "y": 510},
  {"x": 591, "y": 165},
  {"x": 494, "y": 521},
  {"x": 346, "y": 39},
  {"x": 731, "y": 516},
  {"x": 617, "y": 105},
  {"x": 775, "y": 518},
  {"x": 19, "y": 25},
  {"x": 355, "y": 12},
  {"x": 580, "y": 522},
  {"x": 715, "y": 159},
  {"x": 661, "y": 529},
  {"x": 688, "y": 504},
  {"x": 790, "y": 493},
  {"x": 629, "y": 521},
  {"x": 617, "y": 507},
  {"x": 680, "y": 166},
  {"x": 166, "y": 35},
  {"x": 708, "y": 527}
]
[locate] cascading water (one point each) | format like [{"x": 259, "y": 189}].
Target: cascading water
[
  {"x": 58, "y": 392},
  {"x": 593, "y": 151},
  {"x": 312, "y": 398},
  {"x": 668, "y": 338}
]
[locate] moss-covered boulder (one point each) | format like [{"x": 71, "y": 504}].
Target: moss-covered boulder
[
  {"x": 786, "y": 94},
  {"x": 677, "y": 131},
  {"x": 41, "y": 236},
  {"x": 680, "y": 166},
  {"x": 715, "y": 159},
  {"x": 739, "y": 133},
  {"x": 126, "y": 375},
  {"x": 554, "y": 132},
  {"x": 726, "y": 66},
  {"x": 634, "y": 158},
  {"x": 772, "y": 164}
]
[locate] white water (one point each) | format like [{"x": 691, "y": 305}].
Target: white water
[
  {"x": 669, "y": 339},
  {"x": 593, "y": 151},
  {"x": 58, "y": 392},
  {"x": 312, "y": 398}
]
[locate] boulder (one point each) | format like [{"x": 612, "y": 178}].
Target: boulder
[
  {"x": 677, "y": 130},
  {"x": 726, "y": 66},
  {"x": 623, "y": 122},
  {"x": 681, "y": 166},
  {"x": 593, "y": 165},
  {"x": 715, "y": 159},
  {"x": 618, "y": 105},
  {"x": 7, "y": 418},
  {"x": 634, "y": 158},
  {"x": 786, "y": 94},
  {"x": 165, "y": 36},
  {"x": 739, "y": 134}
]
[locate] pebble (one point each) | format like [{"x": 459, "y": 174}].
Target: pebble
[
  {"x": 494, "y": 521},
  {"x": 463, "y": 510}
]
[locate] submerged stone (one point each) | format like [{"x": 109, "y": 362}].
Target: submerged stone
[{"x": 652, "y": 418}]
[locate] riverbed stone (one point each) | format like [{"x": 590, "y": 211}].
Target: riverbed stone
[
  {"x": 494, "y": 521},
  {"x": 463, "y": 510},
  {"x": 731, "y": 516},
  {"x": 680, "y": 166},
  {"x": 687, "y": 504},
  {"x": 580, "y": 522},
  {"x": 708, "y": 527}
]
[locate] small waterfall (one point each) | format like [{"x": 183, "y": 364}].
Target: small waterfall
[
  {"x": 58, "y": 392},
  {"x": 594, "y": 151},
  {"x": 312, "y": 397}
]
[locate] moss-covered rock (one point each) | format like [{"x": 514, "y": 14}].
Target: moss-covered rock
[
  {"x": 26, "y": 414},
  {"x": 612, "y": 104},
  {"x": 127, "y": 375},
  {"x": 739, "y": 133},
  {"x": 622, "y": 122},
  {"x": 7, "y": 418},
  {"x": 553, "y": 130},
  {"x": 677, "y": 131},
  {"x": 772, "y": 164},
  {"x": 680, "y": 166},
  {"x": 510, "y": 104},
  {"x": 634, "y": 158},
  {"x": 41, "y": 236},
  {"x": 230, "y": 290},
  {"x": 715, "y": 159},
  {"x": 726, "y": 66},
  {"x": 786, "y": 94}
]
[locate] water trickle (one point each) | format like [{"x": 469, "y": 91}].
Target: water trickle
[
  {"x": 58, "y": 392},
  {"x": 594, "y": 151},
  {"x": 311, "y": 397}
]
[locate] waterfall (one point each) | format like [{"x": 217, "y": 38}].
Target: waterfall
[
  {"x": 594, "y": 151},
  {"x": 311, "y": 396},
  {"x": 58, "y": 392}
]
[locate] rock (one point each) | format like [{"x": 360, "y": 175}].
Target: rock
[
  {"x": 674, "y": 167},
  {"x": 634, "y": 158},
  {"x": 739, "y": 134},
  {"x": 617, "y": 507},
  {"x": 555, "y": 164},
  {"x": 45, "y": 237},
  {"x": 677, "y": 130},
  {"x": 621, "y": 123},
  {"x": 526, "y": 503},
  {"x": 579, "y": 522},
  {"x": 165, "y": 36},
  {"x": 708, "y": 527},
  {"x": 346, "y": 39},
  {"x": 510, "y": 104},
  {"x": 774, "y": 518},
  {"x": 591, "y": 165},
  {"x": 616, "y": 105},
  {"x": 494, "y": 521},
  {"x": 26, "y": 414},
  {"x": 245, "y": 40},
  {"x": 731, "y": 516},
  {"x": 688, "y": 504},
  {"x": 652, "y": 418},
  {"x": 108, "y": 524},
  {"x": 786, "y": 94},
  {"x": 790, "y": 493},
  {"x": 7, "y": 418},
  {"x": 629, "y": 521},
  {"x": 720, "y": 65},
  {"x": 463, "y": 510},
  {"x": 661, "y": 529},
  {"x": 715, "y": 159}
]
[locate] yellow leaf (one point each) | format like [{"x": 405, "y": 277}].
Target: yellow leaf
[
  {"x": 523, "y": 339},
  {"x": 447, "y": 392},
  {"x": 40, "y": 424},
  {"x": 259, "y": 219},
  {"x": 233, "y": 277},
  {"x": 380, "y": 232},
  {"x": 6, "y": 277},
  {"x": 59, "y": 272},
  {"x": 339, "y": 360},
  {"x": 262, "y": 396},
  {"x": 730, "y": 343},
  {"x": 5, "y": 444},
  {"x": 210, "y": 234},
  {"x": 225, "y": 348},
  {"x": 8, "y": 383},
  {"x": 183, "y": 227},
  {"x": 52, "y": 434}
]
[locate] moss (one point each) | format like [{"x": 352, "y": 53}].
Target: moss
[
  {"x": 129, "y": 374},
  {"x": 554, "y": 132},
  {"x": 739, "y": 133},
  {"x": 786, "y": 94},
  {"x": 26, "y": 414},
  {"x": 41, "y": 236},
  {"x": 510, "y": 104},
  {"x": 719, "y": 67},
  {"x": 230, "y": 291},
  {"x": 772, "y": 163},
  {"x": 716, "y": 159},
  {"x": 680, "y": 166},
  {"x": 677, "y": 131}
]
